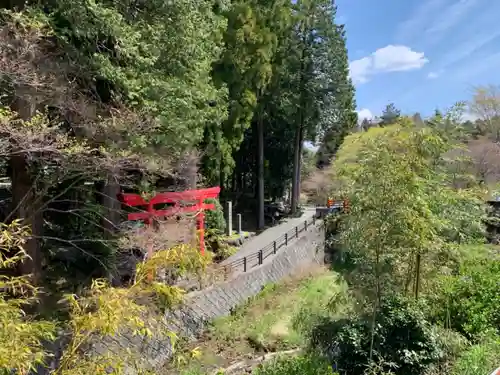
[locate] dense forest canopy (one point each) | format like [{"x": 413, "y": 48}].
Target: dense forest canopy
[
  {"x": 166, "y": 95},
  {"x": 103, "y": 97},
  {"x": 98, "y": 98}
]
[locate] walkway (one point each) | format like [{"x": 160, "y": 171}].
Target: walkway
[{"x": 256, "y": 243}]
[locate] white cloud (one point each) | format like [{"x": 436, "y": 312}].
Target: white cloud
[
  {"x": 358, "y": 69},
  {"x": 364, "y": 113},
  {"x": 433, "y": 75},
  {"x": 467, "y": 116},
  {"x": 388, "y": 59}
]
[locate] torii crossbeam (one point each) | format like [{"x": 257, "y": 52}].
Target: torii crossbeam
[{"x": 194, "y": 201}]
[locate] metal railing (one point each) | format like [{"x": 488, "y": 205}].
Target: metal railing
[{"x": 256, "y": 259}]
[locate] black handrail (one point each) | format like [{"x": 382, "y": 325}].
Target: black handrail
[{"x": 257, "y": 258}]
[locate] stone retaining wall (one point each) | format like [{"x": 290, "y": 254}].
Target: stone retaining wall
[
  {"x": 219, "y": 300},
  {"x": 216, "y": 301}
]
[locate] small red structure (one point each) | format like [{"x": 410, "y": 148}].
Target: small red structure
[{"x": 184, "y": 201}]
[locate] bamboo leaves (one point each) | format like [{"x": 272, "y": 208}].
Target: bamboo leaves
[{"x": 404, "y": 214}]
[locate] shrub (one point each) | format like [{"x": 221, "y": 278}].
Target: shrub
[
  {"x": 21, "y": 338},
  {"x": 217, "y": 244},
  {"x": 214, "y": 219},
  {"x": 301, "y": 365},
  {"x": 481, "y": 358},
  {"x": 468, "y": 302},
  {"x": 402, "y": 340},
  {"x": 225, "y": 251},
  {"x": 404, "y": 240},
  {"x": 451, "y": 345},
  {"x": 95, "y": 314}
]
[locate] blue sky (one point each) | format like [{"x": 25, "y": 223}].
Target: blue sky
[{"x": 420, "y": 54}]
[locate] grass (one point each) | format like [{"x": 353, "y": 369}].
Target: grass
[
  {"x": 482, "y": 358},
  {"x": 237, "y": 235},
  {"x": 271, "y": 321},
  {"x": 302, "y": 365}
]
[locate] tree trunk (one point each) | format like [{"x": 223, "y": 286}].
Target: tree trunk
[
  {"x": 296, "y": 169},
  {"x": 222, "y": 176},
  {"x": 417, "y": 275},
  {"x": 111, "y": 206},
  {"x": 192, "y": 172},
  {"x": 233, "y": 182},
  {"x": 260, "y": 173},
  {"x": 24, "y": 203},
  {"x": 409, "y": 276},
  {"x": 299, "y": 135}
]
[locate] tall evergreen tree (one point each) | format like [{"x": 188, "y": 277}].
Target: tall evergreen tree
[
  {"x": 325, "y": 103},
  {"x": 338, "y": 115},
  {"x": 245, "y": 68},
  {"x": 389, "y": 115},
  {"x": 251, "y": 39},
  {"x": 130, "y": 79}
]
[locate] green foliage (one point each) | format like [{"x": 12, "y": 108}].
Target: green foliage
[
  {"x": 95, "y": 314},
  {"x": 21, "y": 336},
  {"x": 143, "y": 71},
  {"x": 214, "y": 219},
  {"x": 411, "y": 227},
  {"x": 468, "y": 301},
  {"x": 308, "y": 164},
  {"x": 75, "y": 247},
  {"x": 481, "y": 358},
  {"x": 484, "y": 105},
  {"x": 280, "y": 316},
  {"x": 218, "y": 244},
  {"x": 449, "y": 124},
  {"x": 300, "y": 365},
  {"x": 338, "y": 112},
  {"x": 310, "y": 93},
  {"x": 246, "y": 67},
  {"x": 452, "y": 345},
  {"x": 390, "y": 115},
  {"x": 404, "y": 215},
  {"x": 139, "y": 81},
  {"x": 225, "y": 251},
  {"x": 403, "y": 341},
  {"x": 154, "y": 60}
]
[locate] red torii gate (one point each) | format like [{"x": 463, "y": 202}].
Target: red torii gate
[{"x": 196, "y": 196}]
